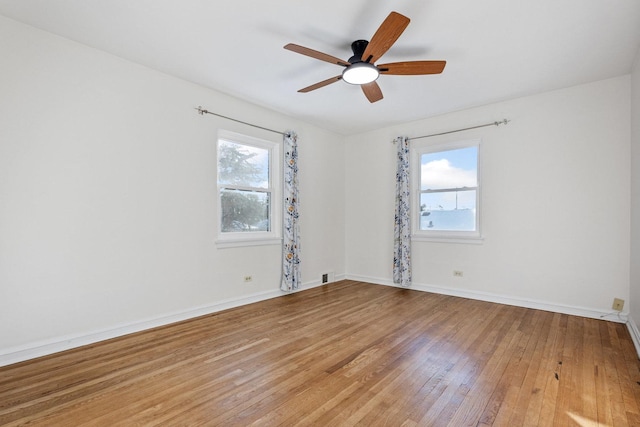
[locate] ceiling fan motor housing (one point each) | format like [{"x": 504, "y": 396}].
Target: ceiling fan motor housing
[{"x": 358, "y": 48}]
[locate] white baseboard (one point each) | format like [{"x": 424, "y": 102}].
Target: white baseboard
[
  {"x": 42, "y": 348},
  {"x": 635, "y": 334},
  {"x": 13, "y": 355},
  {"x": 504, "y": 299}
]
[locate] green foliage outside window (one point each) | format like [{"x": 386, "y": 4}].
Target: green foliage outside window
[{"x": 243, "y": 178}]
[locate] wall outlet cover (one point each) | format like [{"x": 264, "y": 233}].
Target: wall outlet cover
[{"x": 618, "y": 304}]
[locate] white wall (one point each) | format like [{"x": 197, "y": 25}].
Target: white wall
[
  {"x": 108, "y": 202},
  {"x": 635, "y": 201},
  {"x": 108, "y": 206},
  {"x": 555, "y": 205}
]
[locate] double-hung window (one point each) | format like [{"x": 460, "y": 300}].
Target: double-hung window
[
  {"x": 446, "y": 179},
  {"x": 248, "y": 190}
]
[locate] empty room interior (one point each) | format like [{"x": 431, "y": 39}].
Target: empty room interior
[{"x": 207, "y": 218}]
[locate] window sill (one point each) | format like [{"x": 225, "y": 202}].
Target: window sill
[
  {"x": 251, "y": 241},
  {"x": 469, "y": 240}
]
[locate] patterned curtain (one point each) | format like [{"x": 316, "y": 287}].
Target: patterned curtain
[
  {"x": 291, "y": 228},
  {"x": 402, "y": 229}
]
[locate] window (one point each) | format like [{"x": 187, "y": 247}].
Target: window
[
  {"x": 447, "y": 186},
  {"x": 248, "y": 190}
]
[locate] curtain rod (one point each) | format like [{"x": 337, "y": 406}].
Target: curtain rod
[
  {"x": 502, "y": 122},
  {"x": 202, "y": 112}
]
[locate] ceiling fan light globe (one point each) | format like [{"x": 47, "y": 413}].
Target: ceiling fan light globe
[{"x": 360, "y": 73}]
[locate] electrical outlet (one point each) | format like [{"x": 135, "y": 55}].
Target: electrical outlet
[
  {"x": 325, "y": 278},
  {"x": 247, "y": 279},
  {"x": 458, "y": 273},
  {"x": 618, "y": 304}
]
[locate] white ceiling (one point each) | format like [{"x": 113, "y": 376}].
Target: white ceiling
[{"x": 495, "y": 49}]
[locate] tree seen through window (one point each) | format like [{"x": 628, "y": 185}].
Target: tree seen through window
[{"x": 244, "y": 185}]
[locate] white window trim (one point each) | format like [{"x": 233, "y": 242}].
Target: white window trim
[
  {"x": 441, "y": 236},
  {"x": 254, "y": 238}
]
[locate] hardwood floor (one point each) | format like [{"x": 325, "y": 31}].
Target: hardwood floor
[{"x": 348, "y": 353}]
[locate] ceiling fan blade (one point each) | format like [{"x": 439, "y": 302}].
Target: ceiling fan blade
[
  {"x": 386, "y": 35},
  {"x": 320, "y": 84},
  {"x": 412, "y": 68},
  {"x": 372, "y": 91},
  {"x": 315, "y": 54}
]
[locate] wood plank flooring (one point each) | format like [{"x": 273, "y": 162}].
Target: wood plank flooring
[{"x": 344, "y": 354}]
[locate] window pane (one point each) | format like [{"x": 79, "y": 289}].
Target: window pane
[
  {"x": 448, "y": 211},
  {"x": 243, "y": 165},
  {"x": 449, "y": 169},
  {"x": 244, "y": 211}
]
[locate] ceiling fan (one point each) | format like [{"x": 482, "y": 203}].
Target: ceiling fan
[{"x": 361, "y": 69}]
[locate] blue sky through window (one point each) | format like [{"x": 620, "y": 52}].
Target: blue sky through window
[
  {"x": 444, "y": 170},
  {"x": 449, "y": 169}
]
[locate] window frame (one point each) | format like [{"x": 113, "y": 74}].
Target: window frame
[
  {"x": 446, "y": 236},
  {"x": 259, "y": 237}
]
